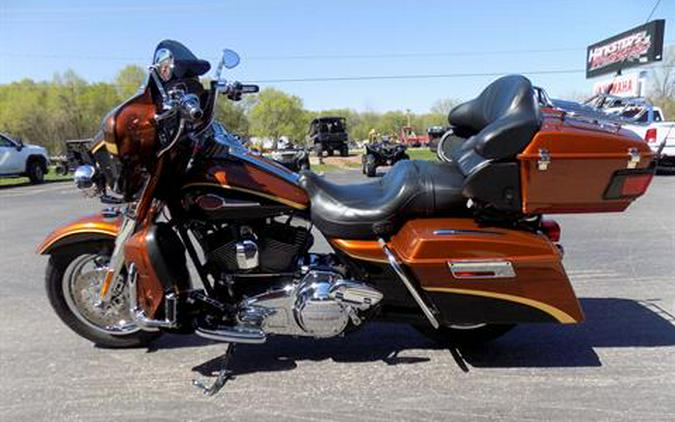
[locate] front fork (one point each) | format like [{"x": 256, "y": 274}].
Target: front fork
[{"x": 116, "y": 261}]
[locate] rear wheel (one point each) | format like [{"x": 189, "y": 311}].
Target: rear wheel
[
  {"x": 465, "y": 334},
  {"x": 73, "y": 280},
  {"x": 36, "y": 172}
]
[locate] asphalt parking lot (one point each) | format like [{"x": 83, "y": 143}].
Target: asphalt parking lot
[{"x": 618, "y": 365}]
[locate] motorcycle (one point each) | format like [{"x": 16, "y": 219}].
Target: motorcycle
[
  {"x": 458, "y": 248},
  {"x": 382, "y": 153}
]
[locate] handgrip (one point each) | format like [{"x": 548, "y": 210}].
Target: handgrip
[
  {"x": 190, "y": 107},
  {"x": 249, "y": 89}
]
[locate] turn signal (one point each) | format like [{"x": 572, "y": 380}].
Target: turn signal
[{"x": 650, "y": 136}]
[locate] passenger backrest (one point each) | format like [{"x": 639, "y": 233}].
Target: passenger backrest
[{"x": 501, "y": 120}]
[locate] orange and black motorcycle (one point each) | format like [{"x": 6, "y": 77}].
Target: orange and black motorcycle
[{"x": 457, "y": 247}]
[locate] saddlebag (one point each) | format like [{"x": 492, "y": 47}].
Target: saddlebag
[{"x": 476, "y": 274}]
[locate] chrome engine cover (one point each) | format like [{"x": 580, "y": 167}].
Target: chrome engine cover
[{"x": 321, "y": 304}]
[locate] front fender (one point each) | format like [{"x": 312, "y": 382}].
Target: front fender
[{"x": 93, "y": 227}]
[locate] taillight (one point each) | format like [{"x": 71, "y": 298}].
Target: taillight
[
  {"x": 629, "y": 184},
  {"x": 551, "y": 229},
  {"x": 650, "y": 136}
]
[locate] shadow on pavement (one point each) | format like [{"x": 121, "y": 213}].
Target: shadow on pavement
[{"x": 609, "y": 323}]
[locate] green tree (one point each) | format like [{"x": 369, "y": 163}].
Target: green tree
[
  {"x": 277, "y": 114},
  {"x": 128, "y": 80},
  {"x": 232, "y": 116}
]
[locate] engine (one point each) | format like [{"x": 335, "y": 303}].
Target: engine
[
  {"x": 321, "y": 304},
  {"x": 269, "y": 247}
]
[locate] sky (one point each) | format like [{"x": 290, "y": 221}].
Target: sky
[{"x": 328, "y": 39}]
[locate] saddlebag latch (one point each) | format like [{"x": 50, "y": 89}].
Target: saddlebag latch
[
  {"x": 544, "y": 159},
  {"x": 633, "y": 158}
]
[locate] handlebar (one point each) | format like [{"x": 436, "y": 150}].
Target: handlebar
[{"x": 189, "y": 107}]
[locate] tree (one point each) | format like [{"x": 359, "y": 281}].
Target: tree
[
  {"x": 662, "y": 89},
  {"x": 128, "y": 80},
  {"x": 443, "y": 106},
  {"x": 277, "y": 114},
  {"x": 232, "y": 116}
]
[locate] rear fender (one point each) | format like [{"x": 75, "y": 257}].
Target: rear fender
[{"x": 93, "y": 227}]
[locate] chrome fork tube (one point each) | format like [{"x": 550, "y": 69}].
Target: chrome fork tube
[
  {"x": 393, "y": 262},
  {"x": 116, "y": 260}
]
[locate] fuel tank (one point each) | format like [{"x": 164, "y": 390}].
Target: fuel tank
[{"x": 233, "y": 182}]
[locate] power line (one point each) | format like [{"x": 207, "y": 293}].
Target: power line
[
  {"x": 385, "y": 55},
  {"x": 653, "y": 10},
  {"x": 413, "y": 76},
  {"x": 396, "y": 77}
]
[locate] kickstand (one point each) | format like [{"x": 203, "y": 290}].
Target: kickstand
[
  {"x": 454, "y": 351},
  {"x": 224, "y": 375}
]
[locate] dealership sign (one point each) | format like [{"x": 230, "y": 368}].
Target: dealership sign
[
  {"x": 621, "y": 86},
  {"x": 635, "y": 47}
]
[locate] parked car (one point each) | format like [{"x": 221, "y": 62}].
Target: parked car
[
  {"x": 649, "y": 122},
  {"x": 19, "y": 159},
  {"x": 329, "y": 134},
  {"x": 383, "y": 153}
]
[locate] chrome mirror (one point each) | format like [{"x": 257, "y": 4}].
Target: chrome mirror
[
  {"x": 164, "y": 63},
  {"x": 84, "y": 176},
  {"x": 229, "y": 60}
]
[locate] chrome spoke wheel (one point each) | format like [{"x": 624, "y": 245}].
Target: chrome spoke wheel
[{"x": 81, "y": 284}]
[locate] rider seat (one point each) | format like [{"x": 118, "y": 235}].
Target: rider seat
[{"x": 378, "y": 208}]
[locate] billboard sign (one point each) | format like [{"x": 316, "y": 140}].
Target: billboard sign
[
  {"x": 638, "y": 46},
  {"x": 622, "y": 86}
]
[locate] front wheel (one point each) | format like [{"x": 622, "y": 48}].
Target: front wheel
[
  {"x": 465, "y": 334},
  {"x": 36, "y": 172},
  {"x": 73, "y": 281}
]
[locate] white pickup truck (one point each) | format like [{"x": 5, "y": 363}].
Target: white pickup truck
[
  {"x": 17, "y": 159},
  {"x": 648, "y": 121}
]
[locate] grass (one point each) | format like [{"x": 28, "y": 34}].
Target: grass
[
  {"x": 324, "y": 168},
  {"x": 49, "y": 177},
  {"x": 421, "y": 154}
]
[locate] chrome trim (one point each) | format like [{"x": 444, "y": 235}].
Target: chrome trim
[
  {"x": 84, "y": 176},
  {"x": 453, "y": 232},
  {"x": 236, "y": 334},
  {"x": 499, "y": 269},
  {"x": 246, "y": 253},
  {"x": 408, "y": 284},
  {"x": 117, "y": 258},
  {"x": 633, "y": 158},
  {"x": 544, "y": 159},
  {"x": 138, "y": 315}
]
